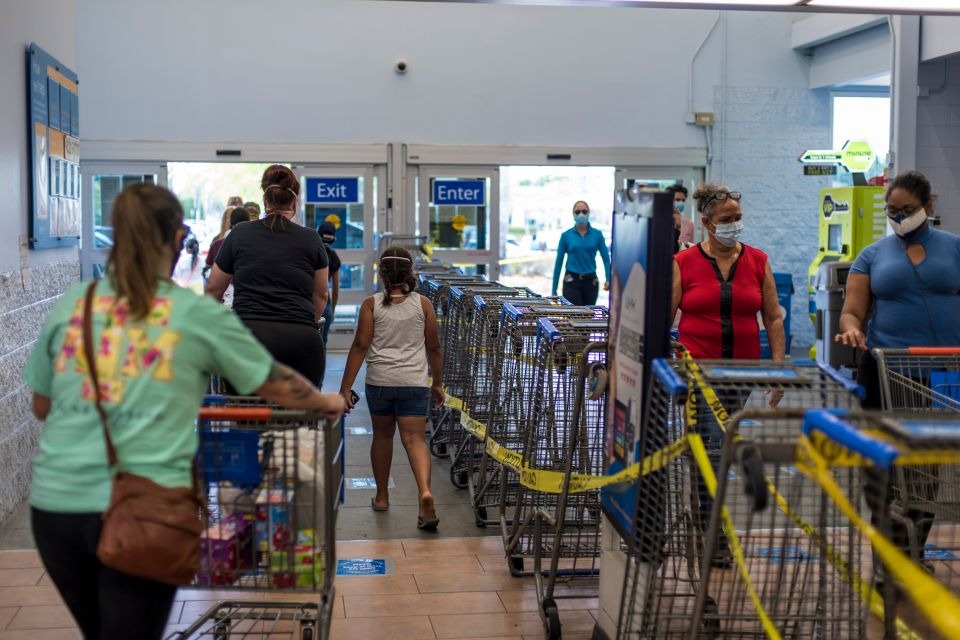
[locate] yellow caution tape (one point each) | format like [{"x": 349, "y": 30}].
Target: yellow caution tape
[
  {"x": 474, "y": 427},
  {"x": 934, "y": 600},
  {"x": 453, "y": 402},
  {"x": 710, "y": 479},
  {"x": 504, "y": 456},
  {"x": 549, "y": 481}
]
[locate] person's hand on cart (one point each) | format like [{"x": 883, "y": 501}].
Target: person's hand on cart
[
  {"x": 438, "y": 395},
  {"x": 332, "y": 406},
  {"x": 852, "y": 338},
  {"x": 774, "y": 396}
]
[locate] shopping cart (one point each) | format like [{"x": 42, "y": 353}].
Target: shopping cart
[
  {"x": 782, "y": 560},
  {"x": 459, "y": 356},
  {"x": 772, "y": 547},
  {"x": 479, "y": 398},
  {"x": 664, "y": 552},
  {"x": 911, "y": 470},
  {"x": 557, "y": 516},
  {"x": 514, "y": 379},
  {"x": 456, "y": 361},
  {"x": 679, "y": 545},
  {"x": 415, "y": 244},
  {"x": 437, "y": 290},
  {"x": 919, "y": 378},
  {"x": 274, "y": 481},
  {"x": 428, "y": 270}
]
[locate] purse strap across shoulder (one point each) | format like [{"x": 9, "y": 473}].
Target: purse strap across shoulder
[{"x": 90, "y": 355}]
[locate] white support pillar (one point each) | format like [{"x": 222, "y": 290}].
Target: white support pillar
[
  {"x": 904, "y": 91},
  {"x": 398, "y": 216}
]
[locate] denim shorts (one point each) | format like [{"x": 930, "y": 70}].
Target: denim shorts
[{"x": 398, "y": 401}]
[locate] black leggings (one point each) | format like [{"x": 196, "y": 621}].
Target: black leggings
[
  {"x": 299, "y": 346},
  {"x": 107, "y": 604},
  {"x": 581, "y": 289}
]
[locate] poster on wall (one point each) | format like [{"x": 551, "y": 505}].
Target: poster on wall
[
  {"x": 642, "y": 252},
  {"x": 53, "y": 132}
]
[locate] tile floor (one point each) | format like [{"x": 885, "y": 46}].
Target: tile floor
[{"x": 442, "y": 588}]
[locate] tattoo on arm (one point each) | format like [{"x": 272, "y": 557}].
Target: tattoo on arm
[
  {"x": 293, "y": 383},
  {"x": 300, "y": 389}
]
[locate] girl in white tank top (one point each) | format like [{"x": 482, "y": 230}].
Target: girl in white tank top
[{"x": 397, "y": 337}]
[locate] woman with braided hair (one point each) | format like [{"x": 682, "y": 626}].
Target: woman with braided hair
[{"x": 397, "y": 336}]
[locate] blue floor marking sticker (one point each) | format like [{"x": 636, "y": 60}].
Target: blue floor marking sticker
[
  {"x": 366, "y": 483},
  {"x": 362, "y": 567},
  {"x": 360, "y": 431},
  {"x": 933, "y": 552}
]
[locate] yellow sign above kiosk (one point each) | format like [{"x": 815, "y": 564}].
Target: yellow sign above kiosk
[{"x": 856, "y": 156}]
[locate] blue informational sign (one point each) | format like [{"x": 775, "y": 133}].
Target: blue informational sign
[
  {"x": 54, "y": 124},
  {"x": 332, "y": 191},
  {"x": 362, "y": 567},
  {"x": 468, "y": 193},
  {"x": 639, "y": 333}
]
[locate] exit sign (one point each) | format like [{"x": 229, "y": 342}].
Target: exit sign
[{"x": 332, "y": 190}]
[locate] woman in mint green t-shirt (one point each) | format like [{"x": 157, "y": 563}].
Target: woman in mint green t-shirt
[{"x": 156, "y": 346}]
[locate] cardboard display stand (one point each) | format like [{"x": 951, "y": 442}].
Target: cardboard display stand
[{"x": 640, "y": 292}]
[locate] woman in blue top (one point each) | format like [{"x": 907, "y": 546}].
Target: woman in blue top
[
  {"x": 903, "y": 290},
  {"x": 580, "y": 245},
  {"x": 906, "y": 290}
]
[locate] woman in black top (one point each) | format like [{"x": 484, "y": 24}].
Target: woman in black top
[{"x": 279, "y": 273}]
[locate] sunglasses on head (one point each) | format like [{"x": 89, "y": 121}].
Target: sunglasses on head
[{"x": 723, "y": 195}]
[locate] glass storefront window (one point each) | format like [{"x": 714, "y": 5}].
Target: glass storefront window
[
  {"x": 106, "y": 188},
  {"x": 351, "y": 276}
]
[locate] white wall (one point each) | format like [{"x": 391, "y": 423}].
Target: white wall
[
  {"x": 938, "y": 136},
  {"x": 938, "y": 36},
  {"x": 305, "y": 71},
  {"x": 851, "y": 59},
  {"x": 51, "y": 24}
]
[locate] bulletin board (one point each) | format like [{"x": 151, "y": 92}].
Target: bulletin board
[
  {"x": 53, "y": 137},
  {"x": 640, "y": 292}
]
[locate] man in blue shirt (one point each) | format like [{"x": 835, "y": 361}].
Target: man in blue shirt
[{"x": 580, "y": 245}]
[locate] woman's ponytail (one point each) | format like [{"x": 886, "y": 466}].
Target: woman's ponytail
[{"x": 146, "y": 219}]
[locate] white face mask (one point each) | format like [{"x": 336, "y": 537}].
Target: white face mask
[
  {"x": 907, "y": 225},
  {"x": 728, "y": 234}
]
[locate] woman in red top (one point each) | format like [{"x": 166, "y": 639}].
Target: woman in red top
[{"x": 720, "y": 284}]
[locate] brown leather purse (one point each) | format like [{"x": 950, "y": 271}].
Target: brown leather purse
[{"x": 149, "y": 531}]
